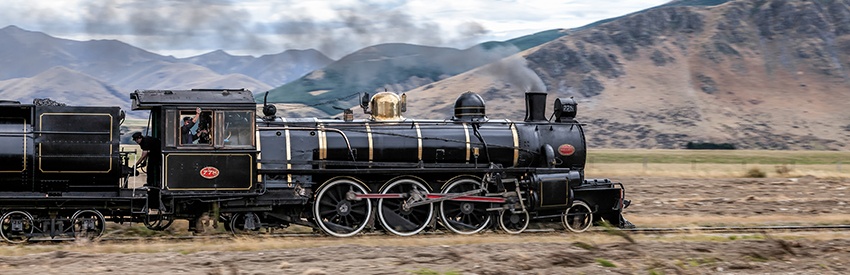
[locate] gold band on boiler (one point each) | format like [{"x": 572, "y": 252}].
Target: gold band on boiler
[
  {"x": 418, "y": 139},
  {"x": 288, "y": 152},
  {"x": 323, "y": 142},
  {"x": 466, "y": 133},
  {"x": 516, "y": 143},
  {"x": 369, "y": 137}
]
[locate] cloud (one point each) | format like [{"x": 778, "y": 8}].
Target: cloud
[
  {"x": 368, "y": 23},
  {"x": 175, "y": 24},
  {"x": 333, "y": 27}
]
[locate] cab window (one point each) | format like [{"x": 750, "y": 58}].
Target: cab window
[
  {"x": 195, "y": 128},
  {"x": 235, "y": 128}
]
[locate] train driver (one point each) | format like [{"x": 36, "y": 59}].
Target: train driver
[
  {"x": 151, "y": 154},
  {"x": 186, "y": 136}
]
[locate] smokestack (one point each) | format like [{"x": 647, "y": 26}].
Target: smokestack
[{"x": 535, "y": 107}]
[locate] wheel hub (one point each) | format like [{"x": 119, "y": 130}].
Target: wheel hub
[
  {"x": 466, "y": 208},
  {"x": 343, "y": 208},
  {"x": 404, "y": 210},
  {"x": 514, "y": 218}
]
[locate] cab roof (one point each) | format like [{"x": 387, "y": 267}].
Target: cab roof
[{"x": 148, "y": 99}]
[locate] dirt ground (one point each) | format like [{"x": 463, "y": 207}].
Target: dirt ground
[{"x": 656, "y": 202}]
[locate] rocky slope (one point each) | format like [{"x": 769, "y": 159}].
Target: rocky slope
[{"x": 757, "y": 74}]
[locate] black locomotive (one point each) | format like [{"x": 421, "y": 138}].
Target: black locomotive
[{"x": 63, "y": 173}]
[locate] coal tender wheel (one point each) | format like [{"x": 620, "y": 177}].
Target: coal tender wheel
[
  {"x": 398, "y": 220},
  {"x": 336, "y": 214},
  {"x": 88, "y": 224},
  {"x": 577, "y": 218},
  {"x": 16, "y": 226},
  {"x": 464, "y": 217},
  {"x": 244, "y": 224},
  {"x": 514, "y": 222}
]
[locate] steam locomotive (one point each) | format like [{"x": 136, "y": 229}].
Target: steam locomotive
[{"x": 63, "y": 173}]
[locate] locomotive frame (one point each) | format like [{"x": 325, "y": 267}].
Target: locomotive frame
[{"x": 403, "y": 176}]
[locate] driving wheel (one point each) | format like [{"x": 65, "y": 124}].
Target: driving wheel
[{"x": 337, "y": 214}]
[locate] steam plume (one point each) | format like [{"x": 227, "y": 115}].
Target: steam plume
[{"x": 514, "y": 70}]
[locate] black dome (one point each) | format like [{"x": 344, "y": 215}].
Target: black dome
[{"x": 469, "y": 107}]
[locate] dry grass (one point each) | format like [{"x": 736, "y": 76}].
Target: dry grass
[
  {"x": 710, "y": 170},
  {"x": 268, "y": 244},
  {"x": 716, "y": 156},
  {"x": 725, "y": 220},
  {"x": 259, "y": 243}
]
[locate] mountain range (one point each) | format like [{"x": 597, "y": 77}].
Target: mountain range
[
  {"x": 769, "y": 74},
  {"x": 765, "y": 74},
  {"x": 106, "y": 71}
]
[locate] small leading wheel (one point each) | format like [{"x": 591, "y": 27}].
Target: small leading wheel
[
  {"x": 244, "y": 224},
  {"x": 338, "y": 215},
  {"x": 514, "y": 222},
  {"x": 577, "y": 218},
  {"x": 464, "y": 217},
  {"x": 398, "y": 219},
  {"x": 16, "y": 226},
  {"x": 88, "y": 224}
]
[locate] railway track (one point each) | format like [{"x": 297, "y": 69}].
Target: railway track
[{"x": 642, "y": 231}]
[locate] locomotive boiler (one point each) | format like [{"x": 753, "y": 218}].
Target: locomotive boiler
[{"x": 465, "y": 173}]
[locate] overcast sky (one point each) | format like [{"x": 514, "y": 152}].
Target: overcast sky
[{"x": 336, "y": 27}]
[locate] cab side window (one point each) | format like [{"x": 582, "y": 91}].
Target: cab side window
[
  {"x": 236, "y": 129},
  {"x": 195, "y": 127}
]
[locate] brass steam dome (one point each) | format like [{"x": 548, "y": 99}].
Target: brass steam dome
[{"x": 386, "y": 106}]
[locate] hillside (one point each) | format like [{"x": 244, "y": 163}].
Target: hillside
[
  {"x": 273, "y": 69},
  {"x": 27, "y": 55},
  {"x": 758, "y": 74},
  {"x": 62, "y": 85},
  {"x": 395, "y": 67},
  {"x": 386, "y": 66}
]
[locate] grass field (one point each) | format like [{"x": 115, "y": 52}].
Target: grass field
[{"x": 717, "y": 163}]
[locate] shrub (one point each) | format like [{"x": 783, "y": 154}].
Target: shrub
[
  {"x": 783, "y": 170},
  {"x": 755, "y": 173}
]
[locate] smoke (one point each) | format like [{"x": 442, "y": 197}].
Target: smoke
[
  {"x": 514, "y": 71},
  {"x": 206, "y": 25},
  {"x": 365, "y": 24},
  {"x": 168, "y": 24}
]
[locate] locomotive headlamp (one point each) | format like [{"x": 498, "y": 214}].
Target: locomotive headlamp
[{"x": 566, "y": 108}]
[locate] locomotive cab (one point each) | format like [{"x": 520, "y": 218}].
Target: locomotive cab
[{"x": 207, "y": 151}]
